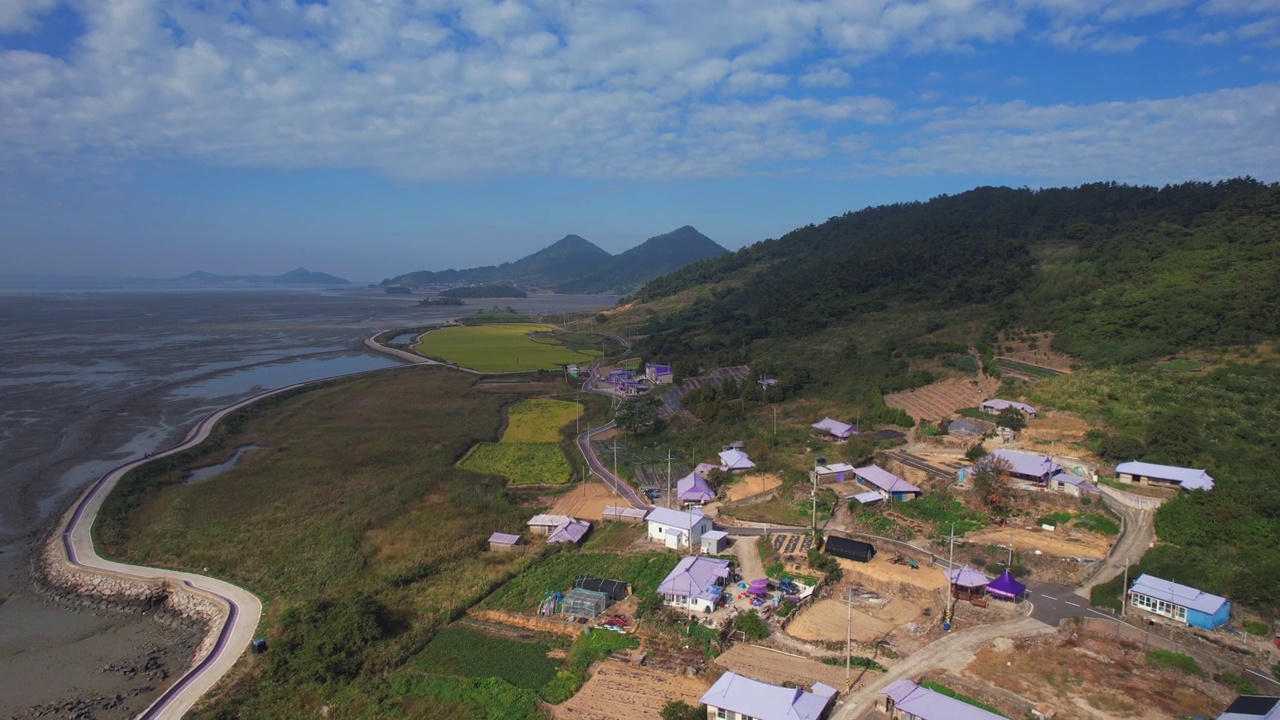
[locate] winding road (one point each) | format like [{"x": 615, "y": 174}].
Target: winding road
[{"x": 243, "y": 609}]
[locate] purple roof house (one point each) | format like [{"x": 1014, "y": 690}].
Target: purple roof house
[
  {"x": 693, "y": 488},
  {"x": 503, "y": 541},
  {"x": 1187, "y": 478},
  {"x": 905, "y": 699},
  {"x": 1037, "y": 468},
  {"x": 736, "y": 693},
  {"x": 731, "y": 460},
  {"x": 1006, "y": 587},
  {"x": 995, "y": 405},
  {"x": 696, "y": 583},
  {"x": 890, "y": 486},
  {"x": 570, "y": 531},
  {"x": 659, "y": 374},
  {"x": 835, "y": 428}
]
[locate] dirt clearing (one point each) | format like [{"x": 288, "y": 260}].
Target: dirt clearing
[
  {"x": 1062, "y": 543},
  {"x": 880, "y": 572},
  {"x": 1095, "y": 679},
  {"x": 826, "y": 620},
  {"x": 939, "y": 400},
  {"x": 1055, "y": 427},
  {"x": 587, "y": 502},
  {"x": 751, "y": 486},
  {"x": 776, "y": 667},
  {"x": 617, "y": 691}
]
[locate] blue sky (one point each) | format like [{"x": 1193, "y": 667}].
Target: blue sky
[{"x": 152, "y": 138}]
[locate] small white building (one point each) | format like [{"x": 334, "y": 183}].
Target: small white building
[{"x": 678, "y": 529}]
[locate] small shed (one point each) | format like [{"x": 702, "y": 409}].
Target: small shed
[
  {"x": 850, "y": 549},
  {"x": 504, "y": 542},
  {"x": 617, "y": 590},
  {"x": 714, "y": 542},
  {"x": 583, "y": 603},
  {"x": 623, "y": 514}
]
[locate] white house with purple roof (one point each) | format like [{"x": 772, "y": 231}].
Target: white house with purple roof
[
  {"x": 1141, "y": 473},
  {"x": 890, "y": 486},
  {"x": 905, "y": 700},
  {"x": 737, "y": 697},
  {"x": 835, "y": 428},
  {"x": 678, "y": 529},
  {"x": 696, "y": 584},
  {"x": 1027, "y": 466},
  {"x": 570, "y": 531},
  {"x": 693, "y": 489}
]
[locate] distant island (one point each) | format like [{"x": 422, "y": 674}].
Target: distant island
[
  {"x": 575, "y": 265},
  {"x": 441, "y": 301},
  {"x": 297, "y": 276}
]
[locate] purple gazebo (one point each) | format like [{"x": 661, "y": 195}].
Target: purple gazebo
[
  {"x": 1005, "y": 587},
  {"x": 967, "y": 583},
  {"x": 694, "y": 489}
]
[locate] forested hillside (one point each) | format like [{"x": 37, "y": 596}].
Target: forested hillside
[{"x": 1122, "y": 273}]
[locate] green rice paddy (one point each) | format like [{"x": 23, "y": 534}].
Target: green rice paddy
[
  {"x": 529, "y": 453},
  {"x": 505, "y": 347},
  {"x": 539, "y": 421}
]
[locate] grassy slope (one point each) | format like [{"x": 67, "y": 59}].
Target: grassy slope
[
  {"x": 356, "y": 493},
  {"x": 505, "y": 347}
]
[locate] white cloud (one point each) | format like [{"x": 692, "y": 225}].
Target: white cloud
[
  {"x": 458, "y": 89},
  {"x": 826, "y": 77},
  {"x": 1217, "y": 134}
]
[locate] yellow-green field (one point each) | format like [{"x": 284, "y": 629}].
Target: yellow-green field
[
  {"x": 539, "y": 421},
  {"x": 521, "y": 463},
  {"x": 504, "y": 347}
]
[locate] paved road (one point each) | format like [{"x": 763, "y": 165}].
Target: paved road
[
  {"x": 1052, "y": 603},
  {"x": 244, "y": 609}
]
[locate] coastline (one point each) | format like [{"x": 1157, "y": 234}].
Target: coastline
[{"x": 72, "y": 571}]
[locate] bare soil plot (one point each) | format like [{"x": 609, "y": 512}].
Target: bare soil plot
[
  {"x": 1095, "y": 679},
  {"x": 1056, "y": 427},
  {"x": 617, "y": 691},
  {"x": 941, "y": 399},
  {"x": 776, "y": 667},
  {"x": 880, "y": 570},
  {"x": 586, "y": 502},
  {"x": 1063, "y": 543},
  {"x": 752, "y": 485},
  {"x": 826, "y": 621}
]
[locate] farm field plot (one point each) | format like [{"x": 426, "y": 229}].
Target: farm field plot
[
  {"x": 752, "y": 485},
  {"x": 539, "y": 421},
  {"x": 617, "y": 691},
  {"x": 1060, "y": 543},
  {"x": 523, "y": 592},
  {"x": 506, "y": 347},
  {"x": 461, "y": 652},
  {"x": 521, "y": 463},
  {"x": 774, "y": 667},
  {"x": 939, "y": 400},
  {"x": 587, "y": 502}
]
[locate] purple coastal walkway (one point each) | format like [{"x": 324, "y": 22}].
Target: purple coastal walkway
[{"x": 242, "y": 609}]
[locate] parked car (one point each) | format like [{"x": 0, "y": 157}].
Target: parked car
[{"x": 652, "y": 494}]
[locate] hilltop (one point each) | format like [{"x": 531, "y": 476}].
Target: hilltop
[{"x": 575, "y": 265}]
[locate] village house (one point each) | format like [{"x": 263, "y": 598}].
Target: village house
[
  {"x": 693, "y": 489},
  {"x": 659, "y": 374},
  {"x": 570, "y": 531},
  {"x": 1071, "y": 484},
  {"x": 731, "y": 460},
  {"x": 890, "y": 486},
  {"x": 623, "y": 514},
  {"x": 678, "y": 529},
  {"x": 696, "y": 584},
  {"x": 546, "y": 524},
  {"x": 1026, "y": 466},
  {"x": 737, "y": 697},
  {"x": 1179, "y": 602},
  {"x": 995, "y": 405},
  {"x": 905, "y": 700},
  {"x": 504, "y": 542},
  {"x": 833, "y": 472},
  {"x": 1141, "y": 473},
  {"x": 836, "y": 429}
]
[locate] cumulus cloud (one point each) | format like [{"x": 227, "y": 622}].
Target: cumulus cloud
[{"x": 445, "y": 90}]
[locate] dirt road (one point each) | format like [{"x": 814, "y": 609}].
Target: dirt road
[
  {"x": 749, "y": 563},
  {"x": 952, "y": 652},
  {"x": 1138, "y": 534}
]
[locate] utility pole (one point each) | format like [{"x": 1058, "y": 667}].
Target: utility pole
[
  {"x": 615, "y": 466},
  {"x": 775, "y": 420},
  {"x": 670, "y": 502},
  {"x": 1124, "y": 594},
  {"x": 848, "y": 636},
  {"x": 951, "y": 556}
]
